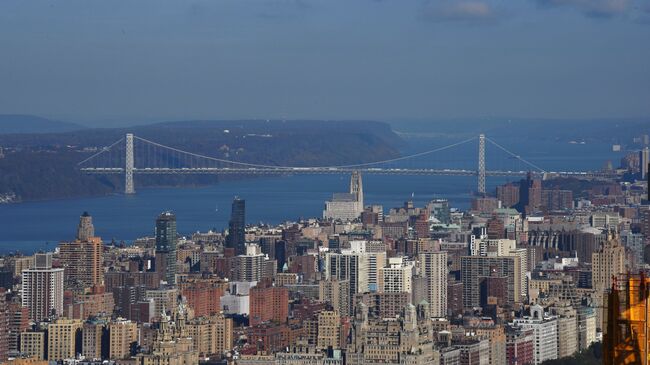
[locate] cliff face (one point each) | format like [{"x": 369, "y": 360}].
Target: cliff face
[{"x": 44, "y": 166}]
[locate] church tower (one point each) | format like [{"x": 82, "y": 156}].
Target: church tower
[{"x": 356, "y": 189}]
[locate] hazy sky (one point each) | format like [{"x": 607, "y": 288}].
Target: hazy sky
[{"x": 89, "y": 60}]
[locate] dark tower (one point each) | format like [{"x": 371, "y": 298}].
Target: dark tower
[
  {"x": 530, "y": 195},
  {"x": 166, "y": 241},
  {"x": 236, "y": 227}
]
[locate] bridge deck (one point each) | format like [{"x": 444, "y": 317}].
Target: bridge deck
[{"x": 316, "y": 170}]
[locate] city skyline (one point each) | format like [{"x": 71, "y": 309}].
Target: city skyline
[{"x": 324, "y": 182}]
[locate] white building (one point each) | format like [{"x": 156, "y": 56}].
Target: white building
[
  {"x": 346, "y": 206},
  {"x": 487, "y": 247},
  {"x": 545, "y": 330},
  {"x": 42, "y": 289},
  {"x": 358, "y": 264},
  {"x": 397, "y": 276},
  {"x": 237, "y": 300},
  {"x": 605, "y": 220}
]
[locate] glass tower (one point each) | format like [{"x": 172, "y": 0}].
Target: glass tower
[
  {"x": 236, "y": 227},
  {"x": 166, "y": 240}
]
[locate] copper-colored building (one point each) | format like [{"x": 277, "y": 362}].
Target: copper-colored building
[{"x": 626, "y": 327}]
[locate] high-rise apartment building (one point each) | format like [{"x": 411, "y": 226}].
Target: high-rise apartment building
[
  {"x": 82, "y": 259},
  {"x": 18, "y": 323},
  {"x": 166, "y": 242},
  {"x": 236, "y": 238},
  {"x": 249, "y": 266},
  {"x": 557, "y": 199},
  {"x": 164, "y": 300},
  {"x": 64, "y": 339},
  {"x": 268, "y": 303},
  {"x": 545, "y": 346},
  {"x": 508, "y": 194},
  {"x": 520, "y": 344},
  {"x": 122, "y": 335},
  {"x": 42, "y": 289},
  {"x": 433, "y": 267},
  {"x": 359, "y": 264},
  {"x": 203, "y": 295},
  {"x": 607, "y": 262},
  {"x": 93, "y": 344},
  {"x": 337, "y": 294},
  {"x": 397, "y": 276},
  {"x": 32, "y": 345},
  {"x": 211, "y": 335},
  {"x": 329, "y": 329},
  {"x": 475, "y": 268},
  {"x": 644, "y": 160},
  {"x": 530, "y": 195},
  {"x": 499, "y": 248}
]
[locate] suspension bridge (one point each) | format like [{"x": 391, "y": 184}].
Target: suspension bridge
[{"x": 132, "y": 155}]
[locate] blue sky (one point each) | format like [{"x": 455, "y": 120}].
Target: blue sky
[{"x": 102, "y": 61}]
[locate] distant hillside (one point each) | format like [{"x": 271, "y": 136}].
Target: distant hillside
[
  {"x": 17, "y": 123},
  {"x": 590, "y": 130},
  {"x": 43, "y": 165}
]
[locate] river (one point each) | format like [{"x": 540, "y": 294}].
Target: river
[{"x": 32, "y": 226}]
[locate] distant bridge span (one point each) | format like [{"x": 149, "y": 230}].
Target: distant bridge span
[{"x": 199, "y": 164}]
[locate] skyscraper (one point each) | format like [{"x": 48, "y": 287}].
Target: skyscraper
[
  {"x": 434, "y": 269},
  {"x": 530, "y": 195},
  {"x": 475, "y": 268},
  {"x": 42, "y": 289},
  {"x": 85, "y": 230},
  {"x": 644, "y": 159},
  {"x": 82, "y": 259},
  {"x": 166, "y": 240},
  {"x": 607, "y": 263},
  {"x": 236, "y": 227},
  {"x": 356, "y": 188}
]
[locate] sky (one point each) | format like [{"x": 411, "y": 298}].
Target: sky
[{"x": 103, "y": 62}]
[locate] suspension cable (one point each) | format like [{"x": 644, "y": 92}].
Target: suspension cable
[
  {"x": 516, "y": 156},
  {"x": 305, "y": 167},
  {"x": 104, "y": 149}
]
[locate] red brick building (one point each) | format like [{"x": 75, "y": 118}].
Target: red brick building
[
  {"x": 508, "y": 194},
  {"x": 519, "y": 346},
  {"x": 268, "y": 303},
  {"x": 203, "y": 295}
]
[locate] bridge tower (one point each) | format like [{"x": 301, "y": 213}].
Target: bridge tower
[
  {"x": 481, "y": 164},
  {"x": 128, "y": 168}
]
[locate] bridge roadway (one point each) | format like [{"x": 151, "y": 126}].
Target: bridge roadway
[{"x": 342, "y": 170}]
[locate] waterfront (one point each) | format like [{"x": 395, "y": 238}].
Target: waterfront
[
  {"x": 29, "y": 226},
  {"x": 40, "y": 225}
]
